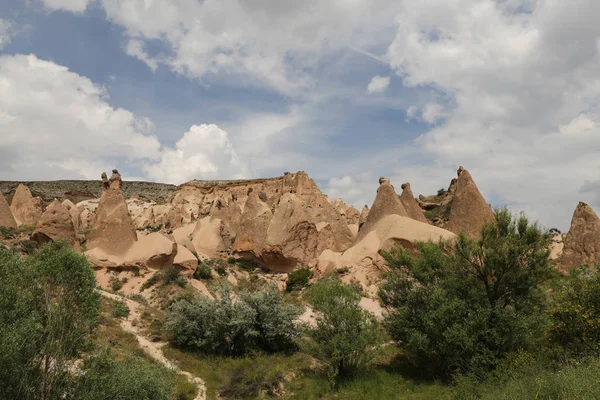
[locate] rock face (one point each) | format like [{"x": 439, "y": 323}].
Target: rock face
[
  {"x": 469, "y": 210},
  {"x": 6, "y": 217},
  {"x": 56, "y": 224},
  {"x": 26, "y": 209},
  {"x": 112, "y": 230},
  {"x": 68, "y": 204},
  {"x": 582, "y": 243},
  {"x": 386, "y": 203},
  {"x": 410, "y": 204}
]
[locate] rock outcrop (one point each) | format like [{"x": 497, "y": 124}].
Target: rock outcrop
[
  {"x": 112, "y": 230},
  {"x": 469, "y": 211},
  {"x": 74, "y": 212},
  {"x": 410, "y": 204},
  {"x": 26, "y": 209},
  {"x": 386, "y": 203},
  {"x": 56, "y": 224},
  {"x": 7, "y": 219},
  {"x": 582, "y": 243}
]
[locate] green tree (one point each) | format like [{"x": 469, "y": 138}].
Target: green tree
[
  {"x": 576, "y": 312},
  {"x": 463, "y": 308},
  {"x": 346, "y": 337},
  {"x": 48, "y": 309}
]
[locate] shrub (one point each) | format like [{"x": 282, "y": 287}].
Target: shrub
[
  {"x": 132, "y": 378},
  {"x": 346, "y": 337},
  {"x": 224, "y": 327},
  {"x": 298, "y": 279},
  {"x": 249, "y": 379},
  {"x": 121, "y": 310},
  {"x": 115, "y": 283},
  {"x": 153, "y": 280},
  {"x": 28, "y": 246},
  {"x": 220, "y": 266},
  {"x": 576, "y": 312},
  {"x": 466, "y": 309},
  {"x": 173, "y": 276},
  {"x": 203, "y": 271}
]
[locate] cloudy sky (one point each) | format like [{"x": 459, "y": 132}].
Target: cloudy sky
[{"x": 347, "y": 90}]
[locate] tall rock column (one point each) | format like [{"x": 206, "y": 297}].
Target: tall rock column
[
  {"x": 112, "y": 230},
  {"x": 582, "y": 243}
]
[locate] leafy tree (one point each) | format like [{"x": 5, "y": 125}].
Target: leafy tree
[
  {"x": 576, "y": 312},
  {"x": 48, "y": 309},
  {"x": 462, "y": 309},
  {"x": 346, "y": 337},
  {"x": 298, "y": 279}
]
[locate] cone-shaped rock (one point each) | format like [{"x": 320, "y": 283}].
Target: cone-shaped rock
[
  {"x": 72, "y": 208},
  {"x": 55, "y": 224},
  {"x": 469, "y": 210},
  {"x": 6, "y": 217},
  {"x": 386, "y": 203},
  {"x": 26, "y": 209},
  {"x": 363, "y": 216},
  {"x": 112, "y": 230},
  {"x": 410, "y": 204},
  {"x": 582, "y": 244}
]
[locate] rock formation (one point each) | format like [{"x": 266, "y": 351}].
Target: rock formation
[
  {"x": 386, "y": 203},
  {"x": 363, "y": 216},
  {"x": 7, "y": 219},
  {"x": 469, "y": 210},
  {"x": 410, "y": 204},
  {"x": 582, "y": 243},
  {"x": 26, "y": 209},
  {"x": 56, "y": 224},
  {"x": 74, "y": 212},
  {"x": 112, "y": 230}
]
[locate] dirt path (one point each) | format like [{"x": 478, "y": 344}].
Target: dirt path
[{"x": 153, "y": 349}]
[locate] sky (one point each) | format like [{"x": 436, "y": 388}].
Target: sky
[{"x": 346, "y": 90}]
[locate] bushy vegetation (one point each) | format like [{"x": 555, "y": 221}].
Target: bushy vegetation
[
  {"x": 121, "y": 310},
  {"x": 257, "y": 321},
  {"x": 298, "y": 279},
  {"x": 463, "y": 310},
  {"x": 203, "y": 271},
  {"x": 346, "y": 338},
  {"x": 48, "y": 315}
]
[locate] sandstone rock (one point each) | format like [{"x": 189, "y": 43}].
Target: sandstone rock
[
  {"x": 386, "y": 203},
  {"x": 363, "y": 216},
  {"x": 582, "y": 243},
  {"x": 469, "y": 210},
  {"x": 115, "y": 180},
  {"x": 87, "y": 212},
  {"x": 183, "y": 236},
  {"x": 74, "y": 212},
  {"x": 6, "y": 217},
  {"x": 207, "y": 237},
  {"x": 26, "y": 209},
  {"x": 112, "y": 230},
  {"x": 407, "y": 199},
  {"x": 56, "y": 224},
  {"x": 153, "y": 251},
  {"x": 185, "y": 259}
]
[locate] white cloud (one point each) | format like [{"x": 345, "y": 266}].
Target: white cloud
[
  {"x": 67, "y": 5},
  {"x": 523, "y": 79},
  {"x": 378, "y": 84},
  {"x": 204, "y": 152},
  {"x": 135, "y": 48},
  {"x": 56, "y": 124},
  {"x": 7, "y": 31},
  {"x": 269, "y": 42}
]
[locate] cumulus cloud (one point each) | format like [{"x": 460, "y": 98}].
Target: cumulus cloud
[
  {"x": 378, "y": 84},
  {"x": 77, "y": 6},
  {"x": 56, "y": 124},
  {"x": 135, "y": 48},
  {"x": 203, "y": 152},
  {"x": 523, "y": 79},
  {"x": 271, "y": 42}
]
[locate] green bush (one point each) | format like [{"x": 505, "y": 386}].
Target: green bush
[
  {"x": 203, "y": 271},
  {"x": 346, "y": 338},
  {"x": 153, "y": 280},
  {"x": 298, "y": 279},
  {"x": 121, "y": 310},
  {"x": 115, "y": 284},
  {"x": 576, "y": 312},
  {"x": 466, "y": 309},
  {"x": 173, "y": 276},
  {"x": 48, "y": 311},
  {"x": 134, "y": 378},
  {"x": 250, "y": 379},
  {"x": 232, "y": 328}
]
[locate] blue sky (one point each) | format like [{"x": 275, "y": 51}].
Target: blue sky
[{"x": 348, "y": 91}]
